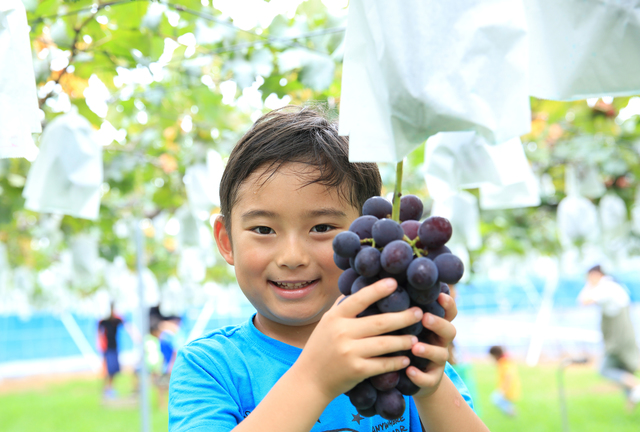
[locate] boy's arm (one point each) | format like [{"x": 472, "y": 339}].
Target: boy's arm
[
  {"x": 341, "y": 352},
  {"x": 440, "y": 405}
]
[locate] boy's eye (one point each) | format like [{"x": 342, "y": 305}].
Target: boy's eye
[
  {"x": 263, "y": 230},
  {"x": 322, "y": 228}
]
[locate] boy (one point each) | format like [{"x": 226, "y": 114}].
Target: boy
[
  {"x": 508, "y": 389},
  {"x": 287, "y": 190}
]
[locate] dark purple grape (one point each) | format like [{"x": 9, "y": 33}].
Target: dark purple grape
[
  {"x": 346, "y": 244},
  {"x": 410, "y": 208},
  {"x": 367, "y": 262},
  {"x": 424, "y": 297},
  {"x": 401, "y": 278},
  {"x": 419, "y": 362},
  {"x": 444, "y": 288},
  {"x": 405, "y": 385},
  {"x": 362, "y": 226},
  {"x": 422, "y": 273},
  {"x": 362, "y": 282},
  {"x": 390, "y": 404},
  {"x": 363, "y": 395},
  {"x": 414, "y": 329},
  {"x": 369, "y": 412},
  {"x": 435, "y": 253},
  {"x": 396, "y": 257},
  {"x": 434, "y": 232},
  {"x": 342, "y": 263},
  {"x": 428, "y": 337},
  {"x": 397, "y": 301},
  {"x": 385, "y": 231},
  {"x": 346, "y": 280},
  {"x": 371, "y": 310},
  {"x": 433, "y": 308},
  {"x": 378, "y": 207},
  {"x": 410, "y": 229},
  {"x": 385, "y": 381},
  {"x": 450, "y": 268}
]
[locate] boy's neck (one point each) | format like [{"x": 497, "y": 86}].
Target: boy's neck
[{"x": 296, "y": 336}]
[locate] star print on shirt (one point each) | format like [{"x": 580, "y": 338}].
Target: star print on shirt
[{"x": 357, "y": 418}]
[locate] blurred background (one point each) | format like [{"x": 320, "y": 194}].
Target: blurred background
[{"x": 163, "y": 90}]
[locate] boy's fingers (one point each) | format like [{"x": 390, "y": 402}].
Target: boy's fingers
[
  {"x": 440, "y": 326},
  {"x": 374, "y": 325},
  {"x": 438, "y": 355},
  {"x": 430, "y": 378},
  {"x": 449, "y": 305},
  {"x": 382, "y": 345},
  {"x": 364, "y": 298},
  {"x": 382, "y": 365}
]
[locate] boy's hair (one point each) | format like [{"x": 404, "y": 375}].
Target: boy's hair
[
  {"x": 496, "y": 351},
  {"x": 597, "y": 269},
  {"x": 298, "y": 134}
]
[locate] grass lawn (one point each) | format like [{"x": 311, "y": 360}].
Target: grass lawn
[{"x": 76, "y": 406}]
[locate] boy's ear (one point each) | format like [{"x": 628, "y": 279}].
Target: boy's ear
[{"x": 223, "y": 240}]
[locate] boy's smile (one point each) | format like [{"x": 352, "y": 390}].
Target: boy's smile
[{"x": 281, "y": 246}]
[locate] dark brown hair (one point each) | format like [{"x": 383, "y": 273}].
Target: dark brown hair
[
  {"x": 496, "y": 352},
  {"x": 304, "y": 135}
]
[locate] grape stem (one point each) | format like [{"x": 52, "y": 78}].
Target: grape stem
[
  {"x": 416, "y": 250},
  {"x": 370, "y": 241},
  {"x": 397, "y": 193}
]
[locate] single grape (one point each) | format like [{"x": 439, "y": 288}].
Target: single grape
[
  {"x": 385, "y": 381},
  {"x": 405, "y": 385},
  {"x": 422, "y": 273},
  {"x": 397, "y": 301},
  {"x": 433, "y": 308},
  {"x": 346, "y": 244},
  {"x": 362, "y": 226},
  {"x": 424, "y": 297},
  {"x": 346, "y": 280},
  {"x": 342, "y": 263},
  {"x": 362, "y": 282},
  {"x": 444, "y": 288},
  {"x": 396, "y": 257},
  {"x": 414, "y": 329},
  {"x": 450, "y": 268},
  {"x": 390, "y": 404},
  {"x": 371, "y": 310},
  {"x": 377, "y": 206},
  {"x": 385, "y": 231},
  {"x": 435, "y": 253},
  {"x": 434, "y": 232},
  {"x": 410, "y": 228},
  {"x": 367, "y": 262},
  {"x": 411, "y": 208},
  {"x": 363, "y": 395}
]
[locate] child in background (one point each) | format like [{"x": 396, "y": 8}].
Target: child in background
[
  {"x": 287, "y": 190},
  {"x": 508, "y": 390}
]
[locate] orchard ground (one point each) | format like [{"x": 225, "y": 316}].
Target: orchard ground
[{"x": 72, "y": 403}]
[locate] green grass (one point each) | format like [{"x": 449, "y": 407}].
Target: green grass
[{"x": 593, "y": 405}]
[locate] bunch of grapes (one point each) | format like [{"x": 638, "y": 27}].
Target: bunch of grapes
[{"x": 415, "y": 255}]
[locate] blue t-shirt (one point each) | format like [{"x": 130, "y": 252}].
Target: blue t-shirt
[{"x": 219, "y": 379}]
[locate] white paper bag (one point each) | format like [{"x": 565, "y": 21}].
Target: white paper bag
[
  {"x": 583, "y": 180},
  {"x": 583, "y": 48},
  {"x": 67, "y": 175},
  {"x": 577, "y": 220},
  {"x": 613, "y": 217},
  {"x": 202, "y": 182},
  {"x": 462, "y": 211},
  {"x": 19, "y": 115},
  {"x": 416, "y": 68}
]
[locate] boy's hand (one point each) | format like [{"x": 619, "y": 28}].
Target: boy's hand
[
  {"x": 437, "y": 350},
  {"x": 344, "y": 350}
]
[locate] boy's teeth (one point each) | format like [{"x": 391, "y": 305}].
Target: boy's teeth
[{"x": 292, "y": 285}]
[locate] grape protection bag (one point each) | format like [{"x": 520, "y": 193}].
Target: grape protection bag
[
  {"x": 577, "y": 220},
  {"x": 67, "y": 176},
  {"x": 583, "y": 48},
  {"x": 202, "y": 182},
  {"x": 419, "y": 67},
  {"x": 19, "y": 116}
]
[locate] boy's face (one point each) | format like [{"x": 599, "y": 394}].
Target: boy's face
[{"x": 281, "y": 244}]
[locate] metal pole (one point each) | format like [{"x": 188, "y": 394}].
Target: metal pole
[
  {"x": 144, "y": 329},
  {"x": 563, "y": 402}
]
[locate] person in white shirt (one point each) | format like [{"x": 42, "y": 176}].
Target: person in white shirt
[{"x": 622, "y": 356}]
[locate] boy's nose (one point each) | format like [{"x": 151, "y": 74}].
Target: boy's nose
[{"x": 293, "y": 253}]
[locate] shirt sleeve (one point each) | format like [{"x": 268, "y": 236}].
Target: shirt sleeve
[
  {"x": 199, "y": 399},
  {"x": 460, "y": 385}
]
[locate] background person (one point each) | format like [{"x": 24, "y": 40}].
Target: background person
[
  {"x": 108, "y": 342},
  {"x": 508, "y": 391},
  {"x": 621, "y": 355}
]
